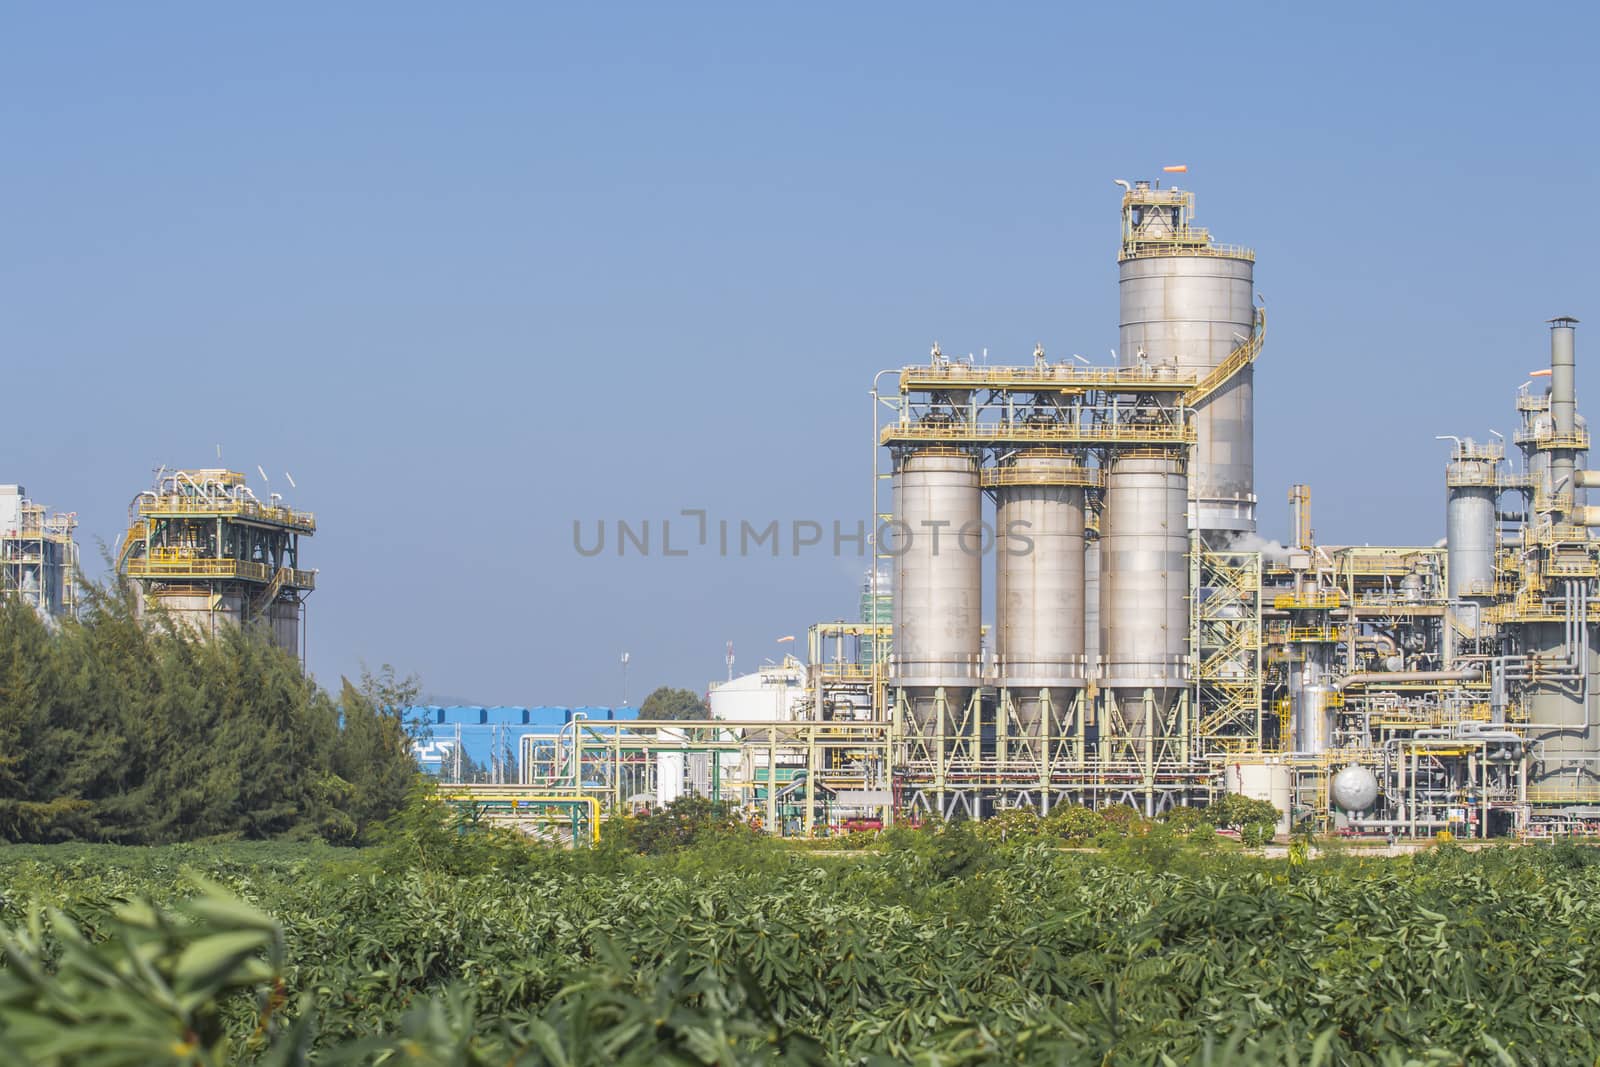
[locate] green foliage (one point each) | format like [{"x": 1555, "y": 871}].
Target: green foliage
[
  {"x": 1075, "y": 824},
  {"x": 153, "y": 991},
  {"x": 668, "y": 703},
  {"x": 1256, "y": 820},
  {"x": 685, "y": 822},
  {"x": 113, "y": 730},
  {"x": 1022, "y": 955}
]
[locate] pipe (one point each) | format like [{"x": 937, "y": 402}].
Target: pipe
[{"x": 1462, "y": 674}]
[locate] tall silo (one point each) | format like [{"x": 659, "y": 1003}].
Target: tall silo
[
  {"x": 1187, "y": 301},
  {"x": 1039, "y": 579},
  {"x": 938, "y": 586},
  {"x": 1144, "y": 592}
]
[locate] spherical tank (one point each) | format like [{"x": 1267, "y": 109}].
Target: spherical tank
[
  {"x": 1039, "y": 625},
  {"x": 938, "y": 544},
  {"x": 1196, "y": 310},
  {"x": 1354, "y": 789}
]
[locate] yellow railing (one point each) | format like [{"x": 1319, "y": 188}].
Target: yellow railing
[
  {"x": 1316, "y": 634},
  {"x": 1320, "y": 601},
  {"x": 1237, "y": 360},
  {"x": 1546, "y": 439},
  {"x": 996, "y": 476},
  {"x": 178, "y": 567},
  {"x": 198, "y": 568},
  {"x": 1144, "y": 247},
  {"x": 240, "y": 509},
  {"x": 1112, "y": 380},
  {"x": 1066, "y": 433}
]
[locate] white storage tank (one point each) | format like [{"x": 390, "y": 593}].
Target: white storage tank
[{"x": 1263, "y": 778}]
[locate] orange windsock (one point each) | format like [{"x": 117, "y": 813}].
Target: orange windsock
[
  {"x": 1545, "y": 373},
  {"x": 1181, "y": 168}
]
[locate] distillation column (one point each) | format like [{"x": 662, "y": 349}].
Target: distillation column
[
  {"x": 1188, "y": 302},
  {"x": 1144, "y": 605},
  {"x": 1039, "y": 584},
  {"x": 1563, "y": 694},
  {"x": 1472, "y": 496},
  {"x": 938, "y": 587}
]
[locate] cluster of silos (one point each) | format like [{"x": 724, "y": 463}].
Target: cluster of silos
[{"x": 1071, "y": 607}]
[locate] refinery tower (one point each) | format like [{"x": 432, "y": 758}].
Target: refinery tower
[{"x": 204, "y": 551}]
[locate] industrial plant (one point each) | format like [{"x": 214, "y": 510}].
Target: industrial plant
[
  {"x": 204, "y": 551},
  {"x": 38, "y": 556},
  {"x": 1148, "y": 647}
]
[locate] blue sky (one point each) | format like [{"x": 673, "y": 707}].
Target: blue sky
[{"x": 472, "y": 273}]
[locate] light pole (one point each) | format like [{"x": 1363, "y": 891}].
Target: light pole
[{"x": 624, "y": 679}]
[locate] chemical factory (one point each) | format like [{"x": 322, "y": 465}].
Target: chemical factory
[
  {"x": 38, "y": 556},
  {"x": 1147, "y": 647}
]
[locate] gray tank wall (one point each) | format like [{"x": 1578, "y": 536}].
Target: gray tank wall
[
  {"x": 1559, "y": 715},
  {"x": 1194, "y": 309},
  {"x": 1039, "y": 586},
  {"x": 938, "y": 584},
  {"x": 1091, "y": 602},
  {"x": 1144, "y": 576},
  {"x": 1469, "y": 529}
]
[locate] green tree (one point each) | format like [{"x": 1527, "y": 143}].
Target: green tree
[
  {"x": 668, "y": 703},
  {"x": 138, "y": 731},
  {"x": 1256, "y": 820}
]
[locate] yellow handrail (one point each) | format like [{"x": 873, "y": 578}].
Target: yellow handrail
[{"x": 1237, "y": 360}]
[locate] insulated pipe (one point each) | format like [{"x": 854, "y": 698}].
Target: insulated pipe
[
  {"x": 1462, "y": 674},
  {"x": 1586, "y": 479}
]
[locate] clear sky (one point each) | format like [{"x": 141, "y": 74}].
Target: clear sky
[{"x": 472, "y": 272}]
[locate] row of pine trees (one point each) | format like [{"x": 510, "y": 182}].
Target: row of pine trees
[{"x": 111, "y": 730}]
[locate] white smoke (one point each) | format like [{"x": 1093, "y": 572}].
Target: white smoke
[{"x": 1271, "y": 551}]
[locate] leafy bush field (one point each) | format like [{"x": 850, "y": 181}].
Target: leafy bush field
[{"x": 940, "y": 947}]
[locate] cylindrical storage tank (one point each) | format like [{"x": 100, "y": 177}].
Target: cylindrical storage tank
[
  {"x": 1469, "y": 524},
  {"x": 1196, "y": 310},
  {"x": 1144, "y": 575},
  {"x": 670, "y": 775},
  {"x": 938, "y": 542},
  {"x": 1039, "y": 585},
  {"x": 1091, "y": 603},
  {"x": 1561, "y": 706},
  {"x": 1261, "y": 779},
  {"x": 1311, "y": 725}
]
